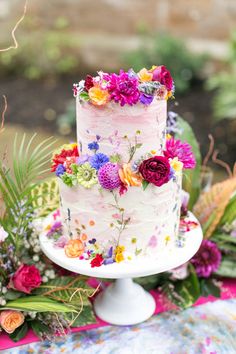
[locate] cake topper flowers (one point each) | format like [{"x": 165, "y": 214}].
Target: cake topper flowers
[{"x": 126, "y": 88}]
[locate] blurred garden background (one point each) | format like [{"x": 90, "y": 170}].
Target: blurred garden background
[{"x": 59, "y": 41}]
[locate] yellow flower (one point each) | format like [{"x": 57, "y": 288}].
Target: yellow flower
[
  {"x": 176, "y": 164},
  {"x": 119, "y": 249},
  {"x": 145, "y": 75},
  {"x": 167, "y": 239},
  {"x": 168, "y": 136},
  {"x": 98, "y": 96},
  {"x": 119, "y": 257},
  {"x": 128, "y": 177},
  {"x": 153, "y": 152}
]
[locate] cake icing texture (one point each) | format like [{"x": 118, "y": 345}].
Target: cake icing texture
[{"x": 120, "y": 185}]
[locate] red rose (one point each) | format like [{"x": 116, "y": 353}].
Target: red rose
[
  {"x": 61, "y": 157},
  {"x": 162, "y": 75},
  {"x": 155, "y": 170},
  {"x": 26, "y": 278},
  {"x": 97, "y": 261},
  {"x": 88, "y": 82}
]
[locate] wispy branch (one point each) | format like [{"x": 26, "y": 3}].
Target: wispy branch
[{"x": 15, "y": 46}]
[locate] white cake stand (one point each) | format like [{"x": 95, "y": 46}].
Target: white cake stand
[{"x": 125, "y": 302}]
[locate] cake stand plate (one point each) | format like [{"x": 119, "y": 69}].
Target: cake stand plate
[{"x": 125, "y": 302}]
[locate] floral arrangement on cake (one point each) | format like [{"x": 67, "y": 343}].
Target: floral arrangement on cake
[
  {"x": 109, "y": 172},
  {"x": 126, "y": 88}
]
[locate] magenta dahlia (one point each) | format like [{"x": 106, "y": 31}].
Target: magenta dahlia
[
  {"x": 182, "y": 150},
  {"x": 108, "y": 176},
  {"x": 207, "y": 259},
  {"x": 123, "y": 88}
]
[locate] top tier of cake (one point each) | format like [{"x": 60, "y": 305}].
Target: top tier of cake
[{"x": 116, "y": 127}]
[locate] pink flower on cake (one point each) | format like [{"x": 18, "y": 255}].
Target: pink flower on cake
[
  {"x": 108, "y": 176},
  {"x": 177, "y": 148},
  {"x": 207, "y": 260},
  {"x": 26, "y": 278},
  {"x": 98, "y": 96},
  {"x": 123, "y": 88},
  {"x": 155, "y": 170},
  {"x": 162, "y": 75},
  {"x": 10, "y": 320}
]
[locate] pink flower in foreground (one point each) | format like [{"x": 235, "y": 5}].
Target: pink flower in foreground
[
  {"x": 161, "y": 74},
  {"x": 26, "y": 278},
  {"x": 177, "y": 148},
  {"x": 108, "y": 176},
  {"x": 207, "y": 259},
  {"x": 123, "y": 88}
]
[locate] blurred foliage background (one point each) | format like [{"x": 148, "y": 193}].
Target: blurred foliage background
[{"x": 59, "y": 42}]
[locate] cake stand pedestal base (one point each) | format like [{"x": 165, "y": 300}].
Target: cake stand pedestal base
[{"x": 124, "y": 303}]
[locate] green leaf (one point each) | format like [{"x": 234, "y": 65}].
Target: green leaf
[
  {"x": 13, "y": 294},
  {"x": 39, "y": 328},
  {"x": 229, "y": 213},
  {"x": 208, "y": 287},
  {"x": 191, "y": 181},
  {"x": 138, "y": 146},
  {"x": 227, "y": 268},
  {"x": 71, "y": 290},
  {"x": 184, "y": 293},
  {"x": 84, "y": 96},
  {"x": 145, "y": 184},
  {"x": 115, "y": 158},
  {"x": 86, "y": 317},
  {"x": 19, "y": 332},
  {"x": 38, "y": 304}
]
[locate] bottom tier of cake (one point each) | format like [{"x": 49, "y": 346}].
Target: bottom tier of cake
[{"x": 137, "y": 223}]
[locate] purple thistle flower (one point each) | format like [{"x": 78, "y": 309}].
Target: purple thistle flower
[
  {"x": 182, "y": 150},
  {"x": 93, "y": 146},
  {"x": 146, "y": 99},
  {"x": 123, "y": 88},
  {"x": 60, "y": 170},
  {"x": 207, "y": 259},
  {"x": 98, "y": 160},
  {"x": 108, "y": 176}
]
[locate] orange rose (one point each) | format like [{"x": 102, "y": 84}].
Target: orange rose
[
  {"x": 128, "y": 177},
  {"x": 74, "y": 248},
  {"x": 98, "y": 96},
  {"x": 10, "y": 320}
]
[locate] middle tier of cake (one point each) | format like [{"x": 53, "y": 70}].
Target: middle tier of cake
[{"x": 140, "y": 221}]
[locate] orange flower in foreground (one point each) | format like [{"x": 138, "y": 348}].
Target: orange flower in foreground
[
  {"x": 98, "y": 96},
  {"x": 10, "y": 320},
  {"x": 128, "y": 177},
  {"x": 74, "y": 248}
]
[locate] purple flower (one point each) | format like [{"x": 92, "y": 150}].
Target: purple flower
[
  {"x": 123, "y": 88},
  {"x": 146, "y": 99},
  {"x": 182, "y": 150},
  {"x": 93, "y": 146},
  {"x": 60, "y": 170},
  {"x": 82, "y": 159},
  {"x": 98, "y": 160},
  {"x": 207, "y": 259},
  {"x": 108, "y": 176},
  {"x": 56, "y": 228}
]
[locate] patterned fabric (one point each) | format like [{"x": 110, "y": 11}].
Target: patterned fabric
[{"x": 205, "y": 329}]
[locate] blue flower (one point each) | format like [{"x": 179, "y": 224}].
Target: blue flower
[
  {"x": 98, "y": 160},
  {"x": 93, "y": 146},
  {"x": 60, "y": 170},
  {"x": 146, "y": 99}
]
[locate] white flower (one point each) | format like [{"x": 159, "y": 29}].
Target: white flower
[{"x": 3, "y": 234}]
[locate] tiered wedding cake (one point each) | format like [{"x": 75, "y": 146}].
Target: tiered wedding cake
[{"x": 120, "y": 185}]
